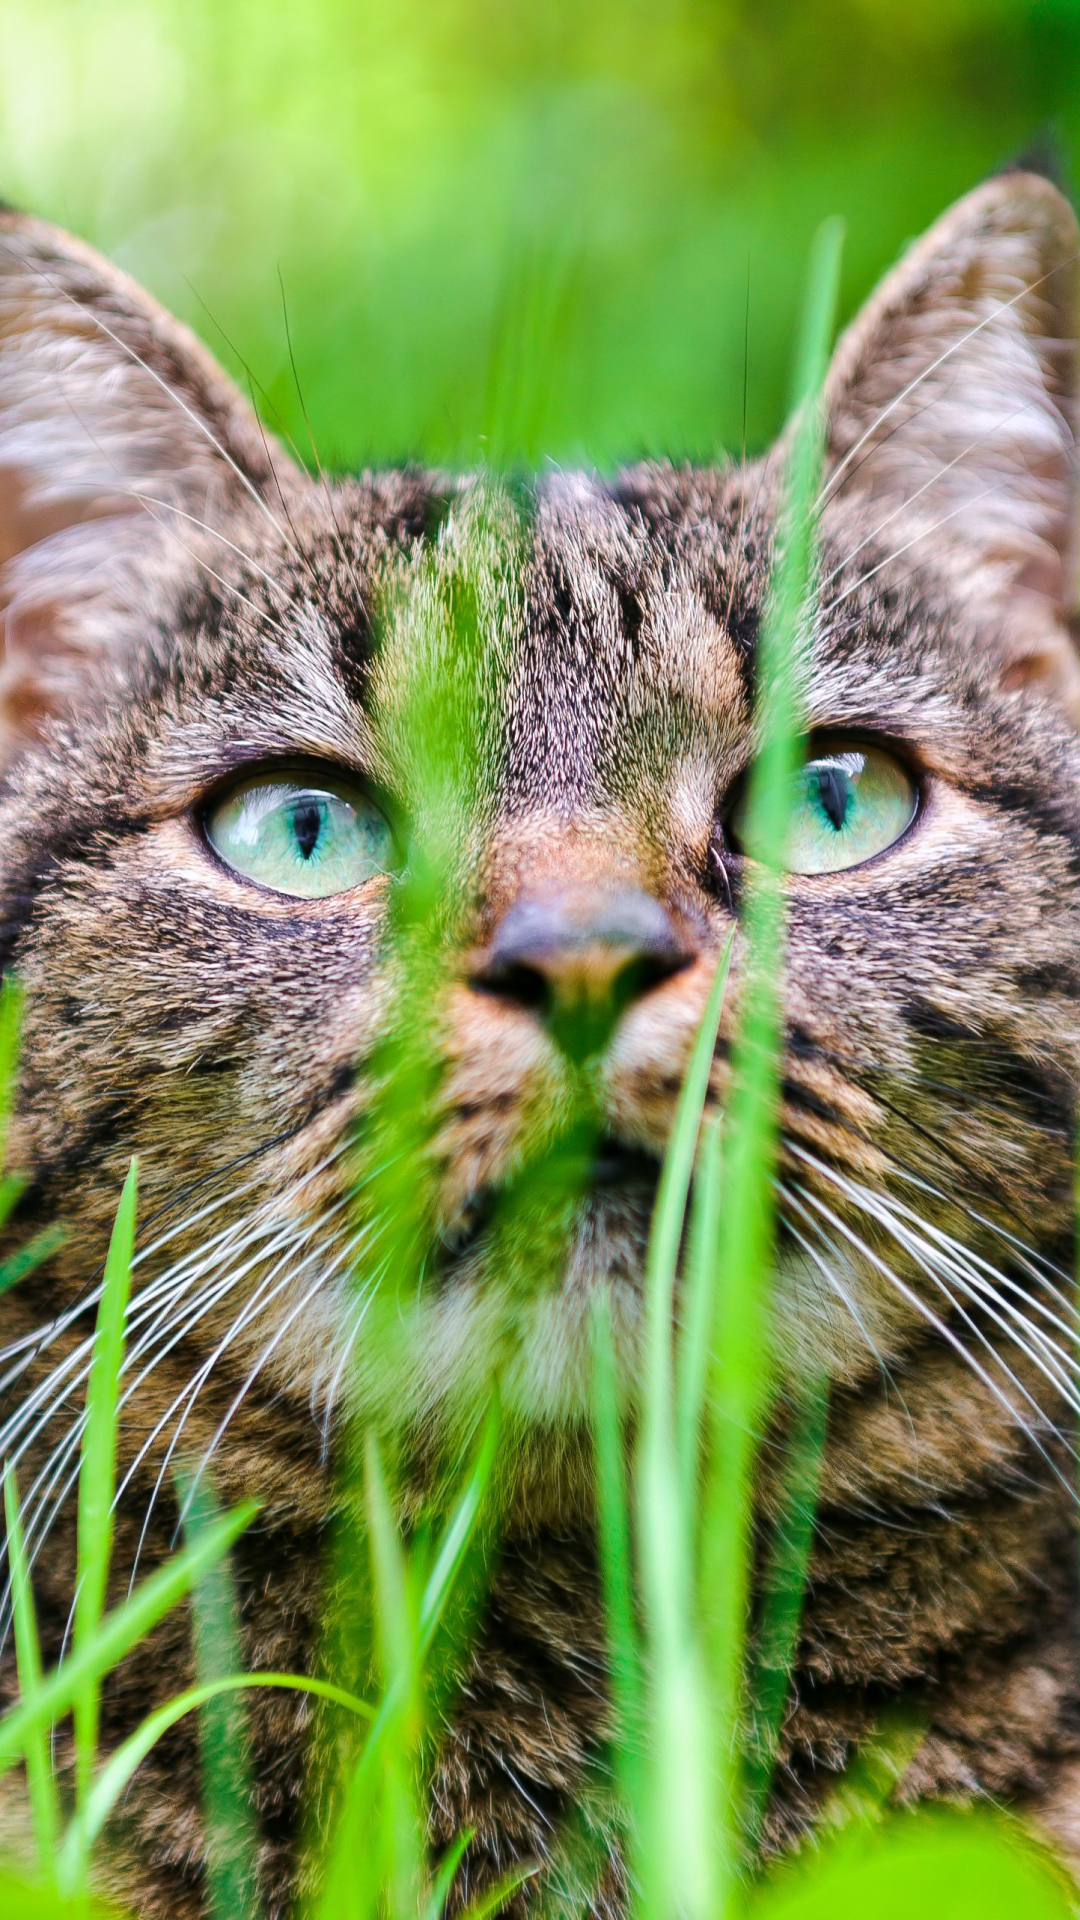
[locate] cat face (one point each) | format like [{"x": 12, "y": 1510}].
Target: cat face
[{"x": 205, "y": 652}]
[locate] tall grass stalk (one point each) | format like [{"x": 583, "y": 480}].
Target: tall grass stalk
[
  {"x": 22, "y": 1261},
  {"x": 782, "y": 1589},
  {"x": 44, "y": 1802},
  {"x": 118, "y": 1770},
  {"x": 740, "y": 1383},
  {"x": 676, "y": 1857},
  {"x": 369, "y": 1850},
  {"x": 97, "y": 1473},
  {"x": 227, "y": 1783}
]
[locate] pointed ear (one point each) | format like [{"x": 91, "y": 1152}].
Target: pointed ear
[
  {"x": 121, "y": 443},
  {"x": 952, "y": 409}
]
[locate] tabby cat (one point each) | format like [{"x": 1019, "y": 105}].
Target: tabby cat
[{"x": 198, "y": 858}]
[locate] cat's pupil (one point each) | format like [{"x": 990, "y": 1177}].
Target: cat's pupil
[
  {"x": 834, "y": 794},
  {"x": 307, "y": 821}
]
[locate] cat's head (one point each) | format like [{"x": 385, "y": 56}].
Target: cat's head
[{"x": 203, "y": 645}]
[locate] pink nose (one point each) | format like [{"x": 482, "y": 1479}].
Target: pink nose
[{"x": 579, "y": 956}]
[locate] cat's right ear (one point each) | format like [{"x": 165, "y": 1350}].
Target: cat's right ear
[
  {"x": 124, "y": 453},
  {"x": 952, "y": 404}
]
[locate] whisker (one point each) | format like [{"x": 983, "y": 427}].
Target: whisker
[
  {"x": 42, "y": 1337},
  {"x": 909, "y": 501},
  {"x": 205, "y": 1301},
  {"x": 323, "y": 1280},
  {"x": 946, "y": 1332},
  {"x": 155, "y": 1309},
  {"x": 1055, "y": 1368},
  {"x": 1036, "y": 1272},
  {"x": 257, "y": 1303},
  {"x": 924, "y": 533},
  {"x": 924, "y": 373},
  {"x": 201, "y": 426},
  {"x": 790, "y": 1198},
  {"x": 151, "y": 502},
  {"x": 358, "y": 1317}
]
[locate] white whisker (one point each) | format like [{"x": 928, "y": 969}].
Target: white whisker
[
  {"x": 323, "y": 1280},
  {"x": 924, "y": 373},
  {"x": 909, "y": 501},
  {"x": 924, "y": 533},
  {"x": 942, "y": 1328},
  {"x": 175, "y": 399}
]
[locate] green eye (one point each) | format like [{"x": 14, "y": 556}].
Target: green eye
[
  {"x": 303, "y": 837},
  {"x": 849, "y": 804}
]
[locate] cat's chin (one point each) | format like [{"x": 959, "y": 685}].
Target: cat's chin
[
  {"x": 484, "y": 1313},
  {"x": 610, "y": 1195},
  {"x": 475, "y": 1322}
]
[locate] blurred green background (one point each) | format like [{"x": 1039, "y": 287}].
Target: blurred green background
[{"x": 556, "y": 215}]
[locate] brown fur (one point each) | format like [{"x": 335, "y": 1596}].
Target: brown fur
[{"x": 183, "y": 601}]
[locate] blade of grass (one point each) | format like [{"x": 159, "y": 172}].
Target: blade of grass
[
  {"x": 669, "y": 1213},
  {"x": 499, "y": 1895},
  {"x": 739, "y": 1373},
  {"x": 625, "y": 1660},
  {"x": 869, "y": 1782},
  {"x": 675, "y": 1862},
  {"x": 398, "y": 1633},
  {"x": 120, "y": 1766},
  {"x": 13, "y": 1185},
  {"x": 443, "y": 1880},
  {"x": 117, "y": 1633},
  {"x": 11, "y": 1012},
  {"x": 460, "y": 1530},
  {"x": 12, "y": 1188},
  {"x": 347, "y": 1887},
  {"x": 97, "y": 1473},
  {"x": 377, "y": 1853},
  {"x": 22, "y": 1901},
  {"x": 44, "y": 1807},
  {"x": 228, "y": 1789},
  {"x": 782, "y": 1594},
  {"x": 954, "y": 1864},
  {"x": 25, "y": 1259},
  {"x": 699, "y": 1309}
]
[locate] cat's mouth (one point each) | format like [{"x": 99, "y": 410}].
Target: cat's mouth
[{"x": 613, "y": 1181}]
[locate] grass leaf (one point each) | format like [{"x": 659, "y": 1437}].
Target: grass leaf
[
  {"x": 739, "y": 1375},
  {"x": 97, "y": 1473},
  {"x": 676, "y": 1854},
  {"x": 625, "y": 1664},
  {"x": 228, "y": 1790},
  {"x": 23, "y": 1261},
  {"x": 11, "y": 1014},
  {"x": 783, "y": 1586},
  {"x": 117, "y": 1633},
  {"x": 121, "y": 1765},
  {"x": 699, "y": 1309},
  {"x": 44, "y": 1806}
]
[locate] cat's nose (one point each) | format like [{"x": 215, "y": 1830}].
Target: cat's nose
[{"x": 578, "y": 957}]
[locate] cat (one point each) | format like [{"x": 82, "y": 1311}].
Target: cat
[{"x": 197, "y": 857}]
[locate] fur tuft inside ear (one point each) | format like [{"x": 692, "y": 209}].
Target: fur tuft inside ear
[
  {"x": 122, "y": 447},
  {"x": 952, "y": 408}
]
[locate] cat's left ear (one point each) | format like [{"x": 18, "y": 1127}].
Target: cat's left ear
[
  {"x": 952, "y": 406},
  {"x": 129, "y": 466}
]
